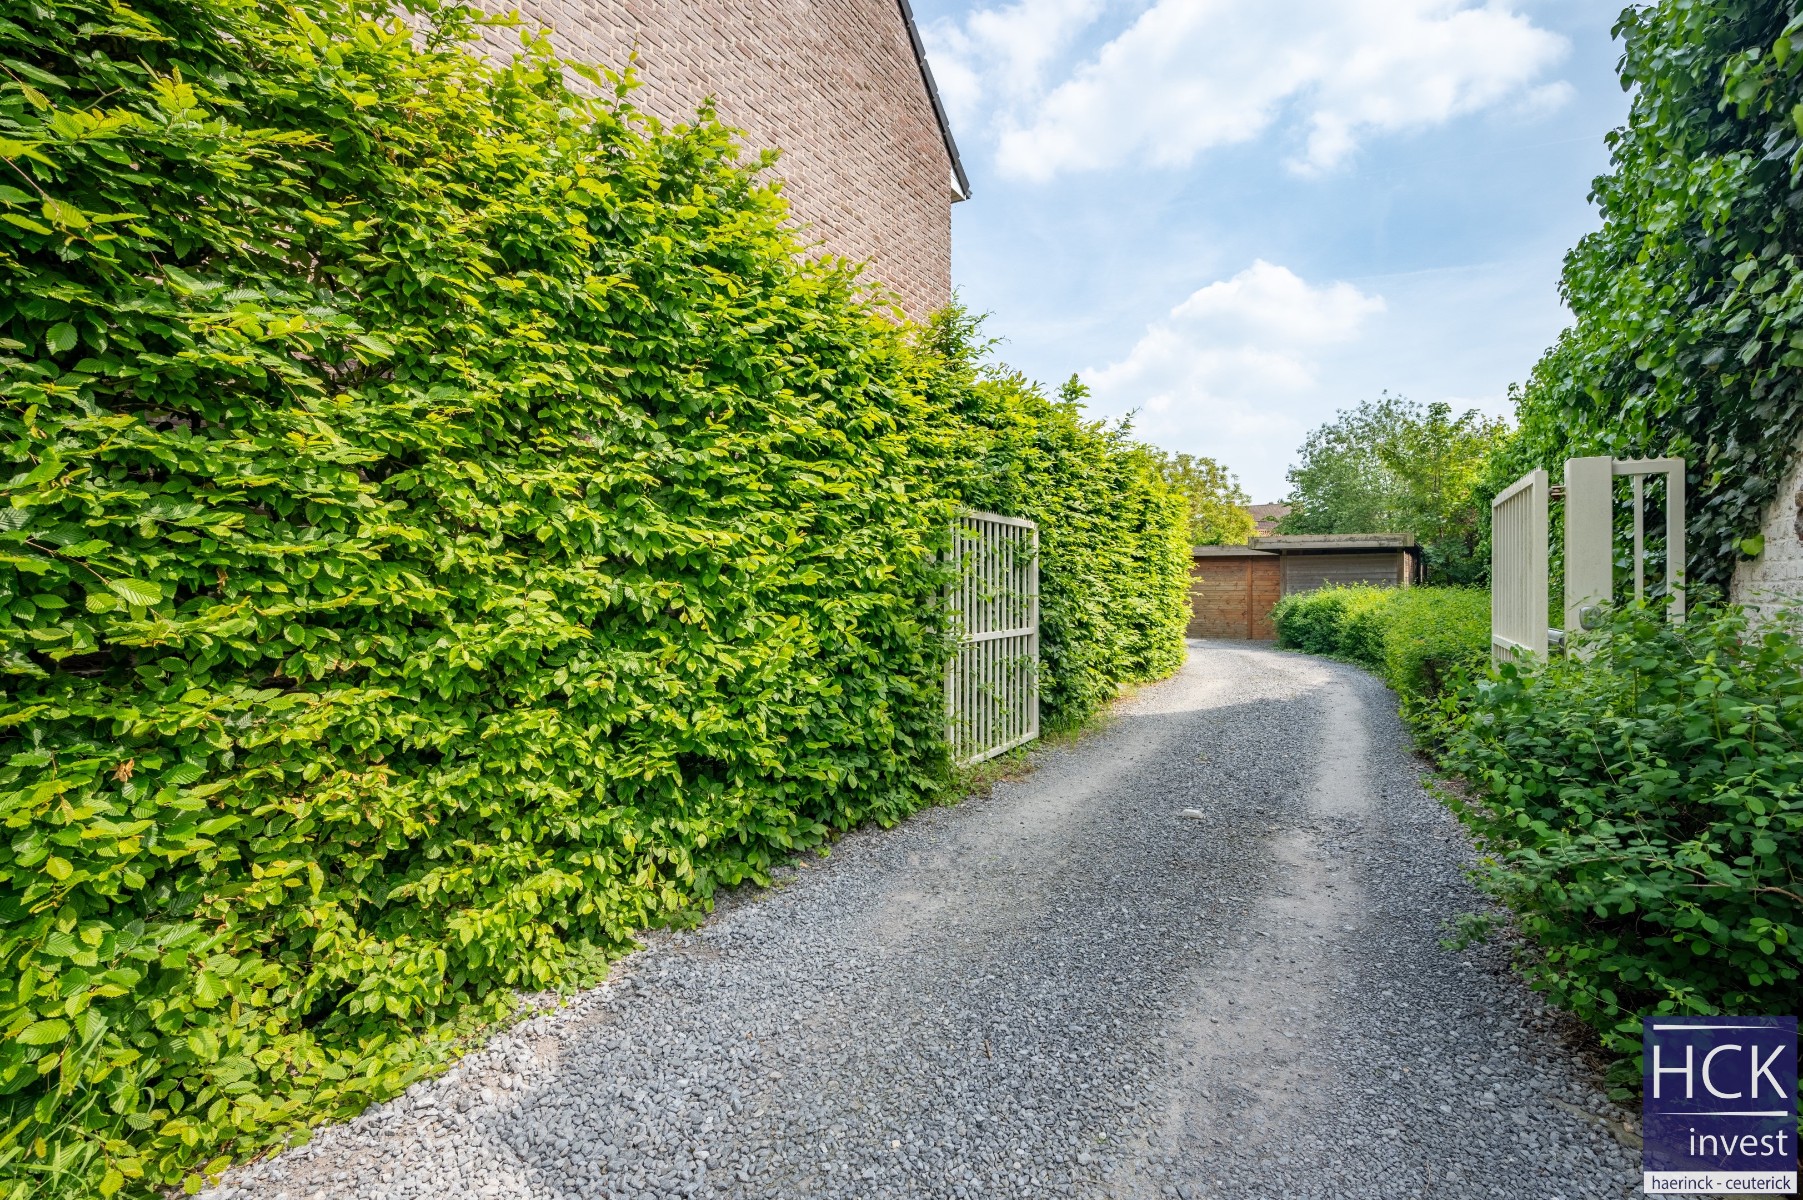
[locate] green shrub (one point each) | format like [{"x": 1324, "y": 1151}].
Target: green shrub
[
  {"x": 1436, "y": 640},
  {"x": 1641, "y": 807},
  {"x": 1313, "y": 622},
  {"x": 1363, "y": 624},
  {"x": 1424, "y": 641},
  {"x": 450, "y": 527}
]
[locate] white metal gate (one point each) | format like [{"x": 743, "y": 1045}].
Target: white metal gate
[
  {"x": 992, "y": 687},
  {"x": 1518, "y": 584},
  {"x": 1519, "y": 600}
]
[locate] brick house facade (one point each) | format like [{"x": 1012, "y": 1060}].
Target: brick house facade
[{"x": 841, "y": 87}]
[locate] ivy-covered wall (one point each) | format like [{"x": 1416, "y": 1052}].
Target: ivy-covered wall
[
  {"x": 448, "y": 526},
  {"x": 1689, "y": 301}
]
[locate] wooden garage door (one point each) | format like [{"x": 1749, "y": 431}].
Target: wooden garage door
[{"x": 1232, "y": 597}]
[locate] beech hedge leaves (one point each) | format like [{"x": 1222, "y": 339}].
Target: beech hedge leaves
[{"x": 448, "y": 526}]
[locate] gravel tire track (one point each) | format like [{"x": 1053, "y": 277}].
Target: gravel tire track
[{"x": 1064, "y": 988}]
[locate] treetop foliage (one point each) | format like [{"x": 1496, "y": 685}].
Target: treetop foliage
[
  {"x": 1218, "y": 512},
  {"x": 448, "y": 527},
  {"x": 1394, "y": 466}
]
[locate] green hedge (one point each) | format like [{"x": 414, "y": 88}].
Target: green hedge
[
  {"x": 1363, "y": 620},
  {"x": 1641, "y": 808},
  {"x": 1114, "y": 587},
  {"x": 1314, "y": 622},
  {"x": 1436, "y": 640},
  {"x": 1424, "y": 641},
  {"x": 450, "y": 527}
]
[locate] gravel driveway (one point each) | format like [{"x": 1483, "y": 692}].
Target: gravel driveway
[{"x": 1064, "y": 989}]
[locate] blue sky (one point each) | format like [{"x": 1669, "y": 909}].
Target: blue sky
[{"x": 1236, "y": 216}]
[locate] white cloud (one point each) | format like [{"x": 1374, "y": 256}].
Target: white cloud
[
  {"x": 1231, "y": 371},
  {"x": 1274, "y": 304},
  {"x": 1548, "y": 98},
  {"x": 1188, "y": 75},
  {"x": 1001, "y": 55}
]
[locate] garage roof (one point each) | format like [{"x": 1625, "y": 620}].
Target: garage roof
[{"x": 1338, "y": 543}]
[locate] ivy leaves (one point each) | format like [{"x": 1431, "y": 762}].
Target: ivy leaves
[{"x": 1688, "y": 306}]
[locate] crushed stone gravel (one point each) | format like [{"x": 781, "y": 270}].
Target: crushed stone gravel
[{"x": 1196, "y": 954}]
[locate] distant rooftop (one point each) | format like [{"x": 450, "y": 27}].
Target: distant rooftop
[
  {"x": 1266, "y": 516},
  {"x": 1336, "y": 541},
  {"x": 1292, "y": 542}
]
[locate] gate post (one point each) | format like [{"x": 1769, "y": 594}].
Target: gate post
[
  {"x": 1677, "y": 550},
  {"x": 1519, "y": 580},
  {"x": 1589, "y": 538}
]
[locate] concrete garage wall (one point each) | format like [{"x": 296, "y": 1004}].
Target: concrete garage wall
[{"x": 834, "y": 84}]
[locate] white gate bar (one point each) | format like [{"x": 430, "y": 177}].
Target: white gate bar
[
  {"x": 1677, "y": 546},
  {"x": 994, "y": 635},
  {"x": 1033, "y": 638},
  {"x": 999, "y": 519}
]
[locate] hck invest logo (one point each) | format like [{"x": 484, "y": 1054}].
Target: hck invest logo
[{"x": 1720, "y": 1105}]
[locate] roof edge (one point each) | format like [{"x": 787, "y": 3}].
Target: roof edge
[
  {"x": 1335, "y": 541},
  {"x": 926, "y": 77}
]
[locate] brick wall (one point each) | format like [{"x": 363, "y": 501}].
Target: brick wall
[
  {"x": 1775, "y": 578},
  {"x": 833, "y": 84}
]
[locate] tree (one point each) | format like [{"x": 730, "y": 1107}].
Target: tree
[
  {"x": 1394, "y": 466},
  {"x": 1217, "y": 504}
]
